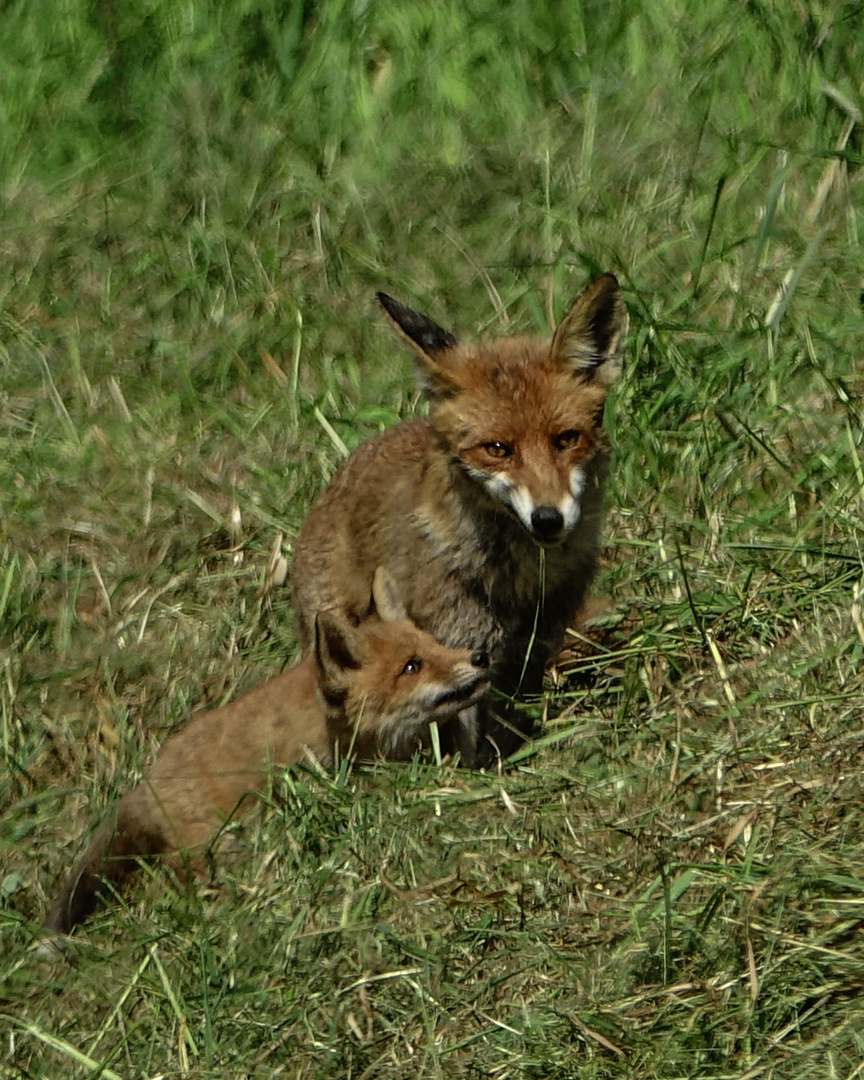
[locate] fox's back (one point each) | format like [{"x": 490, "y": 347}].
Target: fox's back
[{"x": 205, "y": 771}]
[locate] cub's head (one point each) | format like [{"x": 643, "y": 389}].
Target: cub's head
[
  {"x": 385, "y": 681},
  {"x": 523, "y": 417}
]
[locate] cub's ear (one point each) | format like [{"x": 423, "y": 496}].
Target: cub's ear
[
  {"x": 339, "y": 646},
  {"x": 430, "y": 342},
  {"x": 385, "y": 597},
  {"x": 589, "y": 338}
]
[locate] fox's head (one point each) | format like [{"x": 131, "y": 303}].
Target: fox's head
[
  {"x": 523, "y": 417},
  {"x": 385, "y": 681}
]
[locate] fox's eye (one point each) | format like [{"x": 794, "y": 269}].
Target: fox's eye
[
  {"x": 567, "y": 440},
  {"x": 414, "y": 665},
  {"x": 498, "y": 449}
]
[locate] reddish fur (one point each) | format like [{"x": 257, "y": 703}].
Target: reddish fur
[
  {"x": 422, "y": 497},
  {"x": 514, "y": 394},
  {"x": 352, "y": 693}
]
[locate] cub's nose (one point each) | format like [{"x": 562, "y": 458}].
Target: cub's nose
[
  {"x": 547, "y": 522},
  {"x": 480, "y": 659}
]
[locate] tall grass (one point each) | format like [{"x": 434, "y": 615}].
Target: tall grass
[{"x": 199, "y": 201}]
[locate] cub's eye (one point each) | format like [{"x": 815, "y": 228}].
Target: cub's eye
[
  {"x": 567, "y": 440},
  {"x": 498, "y": 449},
  {"x": 413, "y": 667}
]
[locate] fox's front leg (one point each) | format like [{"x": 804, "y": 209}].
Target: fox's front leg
[
  {"x": 488, "y": 733},
  {"x": 466, "y": 735}
]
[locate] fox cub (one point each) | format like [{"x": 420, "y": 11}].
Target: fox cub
[
  {"x": 370, "y": 689},
  {"x": 487, "y": 513}
]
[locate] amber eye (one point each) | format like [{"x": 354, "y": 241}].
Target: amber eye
[
  {"x": 567, "y": 440},
  {"x": 413, "y": 667},
  {"x": 498, "y": 449}
]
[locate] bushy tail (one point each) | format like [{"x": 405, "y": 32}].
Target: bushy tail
[{"x": 113, "y": 854}]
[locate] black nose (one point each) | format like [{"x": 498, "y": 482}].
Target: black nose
[
  {"x": 547, "y": 522},
  {"x": 480, "y": 659}
]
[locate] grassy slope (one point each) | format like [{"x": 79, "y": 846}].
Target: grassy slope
[{"x": 199, "y": 202}]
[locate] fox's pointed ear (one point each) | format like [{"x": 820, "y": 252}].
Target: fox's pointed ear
[
  {"x": 339, "y": 646},
  {"x": 590, "y": 336},
  {"x": 430, "y": 341},
  {"x": 385, "y": 597},
  {"x": 421, "y": 332}
]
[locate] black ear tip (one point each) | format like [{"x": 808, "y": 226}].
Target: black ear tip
[
  {"x": 427, "y": 335},
  {"x": 337, "y": 641},
  {"x": 387, "y": 302},
  {"x": 606, "y": 283}
]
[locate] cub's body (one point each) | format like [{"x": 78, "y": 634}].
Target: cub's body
[{"x": 372, "y": 689}]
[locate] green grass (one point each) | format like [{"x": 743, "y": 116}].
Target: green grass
[{"x": 199, "y": 202}]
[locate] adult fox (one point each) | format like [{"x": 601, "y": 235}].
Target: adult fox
[
  {"x": 487, "y": 513},
  {"x": 370, "y": 689}
]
